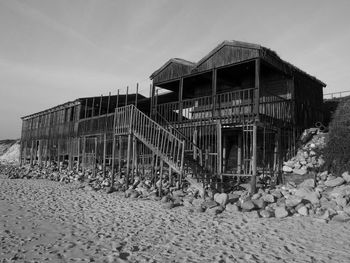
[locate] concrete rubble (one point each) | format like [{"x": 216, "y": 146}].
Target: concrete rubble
[{"x": 323, "y": 197}]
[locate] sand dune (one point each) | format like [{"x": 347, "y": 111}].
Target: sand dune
[{"x": 45, "y": 221}]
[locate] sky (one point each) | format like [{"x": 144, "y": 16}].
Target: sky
[{"x": 55, "y": 51}]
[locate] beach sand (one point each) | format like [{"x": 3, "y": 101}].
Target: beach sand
[{"x": 45, "y": 221}]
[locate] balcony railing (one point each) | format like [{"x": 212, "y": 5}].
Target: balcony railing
[{"x": 230, "y": 107}]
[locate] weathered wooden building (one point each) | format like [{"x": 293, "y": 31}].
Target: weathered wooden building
[{"x": 236, "y": 112}]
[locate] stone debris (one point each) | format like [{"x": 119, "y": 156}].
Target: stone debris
[{"x": 319, "y": 194}]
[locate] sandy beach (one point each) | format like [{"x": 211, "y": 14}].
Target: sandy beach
[{"x": 45, "y": 221}]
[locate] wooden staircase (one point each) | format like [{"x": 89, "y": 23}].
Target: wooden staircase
[{"x": 165, "y": 144}]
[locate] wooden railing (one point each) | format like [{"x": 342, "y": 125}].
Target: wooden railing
[
  {"x": 234, "y": 105},
  {"x": 273, "y": 107},
  {"x": 130, "y": 120},
  {"x": 230, "y": 107}
]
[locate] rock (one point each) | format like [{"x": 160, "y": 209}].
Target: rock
[
  {"x": 233, "y": 197},
  {"x": 165, "y": 199},
  {"x": 256, "y": 196},
  {"x": 342, "y": 218},
  {"x": 259, "y": 203},
  {"x": 341, "y": 201},
  {"x": 269, "y": 198},
  {"x": 252, "y": 214},
  {"x": 197, "y": 202},
  {"x": 308, "y": 194},
  {"x": 265, "y": 214},
  {"x": 281, "y": 212},
  {"x": 178, "y": 193},
  {"x": 207, "y": 204},
  {"x": 303, "y": 210},
  {"x": 287, "y": 169},
  {"x": 293, "y": 201},
  {"x": 346, "y": 177},
  {"x": 232, "y": 208},
  {"x": 199, "y": 209},
  {"x": 221, "y": 199},
  {"x": 168, "y": 205},
  {"x": 277, "y": 193},
  {"x": 324, "y": 216},
  {"x": 334, "y": 182},
  {"x": 301, "y": 171},
  {"x": 215, "y": 210},
  {"x": 247, "y": 187},
  {"x": 247, "y": 205},
  {"x": 342, "y": 190},
  {"x": 187, "y": 203},
  {"x": 346, "y": 209},
  {"x": 309, "y": 183}
]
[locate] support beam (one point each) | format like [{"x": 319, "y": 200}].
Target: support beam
[
  {"x": 181, "y": 84},
  {"x": 257, "y": 89},
  {"x": 214, "y": 91},
  {"x": 254, "y": 159},
  {"x": 239, "y": 153}
]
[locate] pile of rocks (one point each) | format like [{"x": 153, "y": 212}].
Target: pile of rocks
[
  {"x": 309, "y": 156},
  {"x": 95, "y": 180}
]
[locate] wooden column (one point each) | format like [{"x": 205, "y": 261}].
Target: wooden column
[
  {"x": 214, "y": 88},
  {"x": 219, "y": 153},
  {"x": 257, "y": 89},
  {"x": 239, "y": 153},
  {"x": 78, "y": 154},
  {"x": 152, "y": 94},
  {"x": 104, "y": 154},
  {"x": 254, "y": 158},
  {"x": 70, "y": 153},
  {"x": 83, "y": 157},
  {"x": 181, "y": 84},
  {"x": 224, "y": 153},
  {"x": 31, "y": 153},
  {"x": 58, "y": 154},
  {"x": 128, "y": 161}
]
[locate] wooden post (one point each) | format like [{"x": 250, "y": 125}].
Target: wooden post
[
  {"x": 219, "y": 152},
  {"x": 83, "y": 155},
  {"x": 224, "y": 153},
  {"x": 239, "y": 153},
  {"x": 58, "y": 154},
  {"x": 70, "y": 147},
  {"x": 133, "y": 166},
  {"x": 254, "y": 159},
  {"x": 181, "y": 84},
  {"x": 104, "y": 154},
  {"x": 128, "y": 160},
  {"x": 214, "y": 88},
  {"x": 78, "y": 154},
  {"x": 257, "y": 89},
  {"x": 161, "y": 177},
  {"x": 137, "y": 91},
  {"x": 31, "y": 153},
  {"x": 95, "y": 157}
]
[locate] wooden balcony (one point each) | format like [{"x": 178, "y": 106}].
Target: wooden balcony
[{"x": 235, "y": 107}]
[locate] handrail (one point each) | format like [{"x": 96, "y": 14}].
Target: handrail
[
  {"x": 130, "y": 120},
  {"x": 184, "y": 137}
]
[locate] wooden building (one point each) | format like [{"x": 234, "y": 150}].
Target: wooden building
[{"x": 236, "y": 112}]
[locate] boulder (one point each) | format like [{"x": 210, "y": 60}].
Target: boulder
[
  {"x": 346, "y": 177},
  {"x": 259, "y": 203},
  {"x": 215, "y": 210},
  {"x": 168, "y": 205},
  {"x": 341, "y": 201},
  {"x": 287, "y": 169},
  {"x": 207, "y": 204},
  {"x": 334, "y": 182},
  {"x": 303, "y": 210},
  {"x": 269, "y": 198},
  {"x": 247, "y": 205},
  {"x": 308, "y": 194},
  {"x": 281, "y": 212},
  {"x": 301, "y": 171},
  {"x": 309, "y": 183},
  {"x": 342, "y": 190},
  {"x": 252, "y": 214},
  {"x": 265, "y": 214},
  {"x": 342, "y": 218},
  {"x": 221, "y": 199},
  {"x": 293, "y": 201},
  {"x": 232, "y": 208},
  {"x": 256, "y": 196}
]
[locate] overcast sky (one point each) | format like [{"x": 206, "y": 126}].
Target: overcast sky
[{"x": 53, "y": 51}]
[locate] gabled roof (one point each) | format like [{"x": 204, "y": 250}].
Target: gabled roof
[
  {"x": 173, "y": 60},
  {"x": 264, "y": 52}
]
